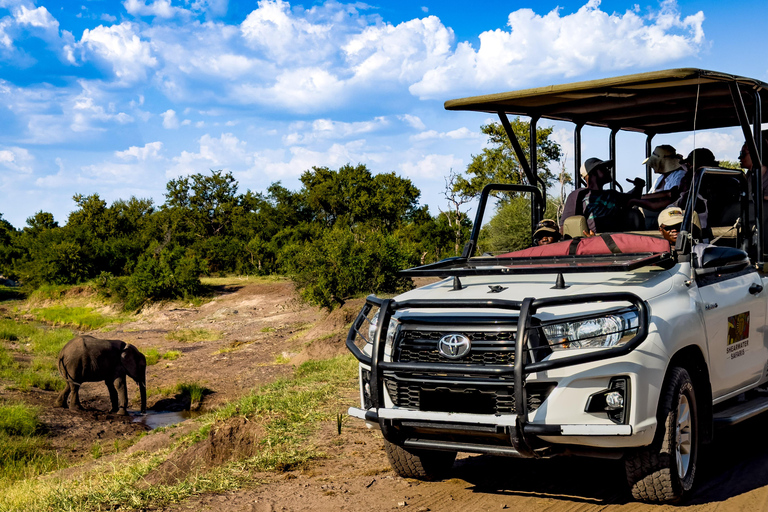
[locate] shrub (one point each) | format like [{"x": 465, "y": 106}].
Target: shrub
[{"x": 343, "y": 264}]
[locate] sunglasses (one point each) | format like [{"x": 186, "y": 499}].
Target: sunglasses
[
  {"x": 546, "y": 223},
  {"x": 673, "y": 227}
]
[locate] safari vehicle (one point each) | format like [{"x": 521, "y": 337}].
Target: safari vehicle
[{"x": 637, "y": 353}]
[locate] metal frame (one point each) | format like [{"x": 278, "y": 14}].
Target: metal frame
[
  {"x": 527, "y": 308},
  {"x": 537, "y": 210}
]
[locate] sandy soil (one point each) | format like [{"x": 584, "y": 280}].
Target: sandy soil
[{"x": 265, "y": 323}]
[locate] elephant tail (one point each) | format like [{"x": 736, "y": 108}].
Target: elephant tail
[{"x": 63, "y": 370}]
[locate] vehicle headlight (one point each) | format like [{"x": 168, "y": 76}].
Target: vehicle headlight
[
  {"x": 610, "y": 330},
  {"x": 391, "y": 331}
]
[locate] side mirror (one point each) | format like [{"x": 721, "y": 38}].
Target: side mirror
[{"x": 722, "y": 260}]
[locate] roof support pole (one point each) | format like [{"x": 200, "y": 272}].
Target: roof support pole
[
  {"x": 540, "y": 183},
  {"x": 521, "y": 158},
  {"x": 648, "y": 150},
  {"x": 757, "y": 193},
  {"x": 577, "y": 181},
  {"x": 758, "y": 136},
  {"x": 612, "y": 156}
]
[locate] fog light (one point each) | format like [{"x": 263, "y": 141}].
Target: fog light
[{"x": 614, "y": 401}]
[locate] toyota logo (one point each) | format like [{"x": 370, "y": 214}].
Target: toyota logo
[{"x": 453, "y": 346}]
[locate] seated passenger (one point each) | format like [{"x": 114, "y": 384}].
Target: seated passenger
[
  {"x": 668, "y": 164},
  {"x": 546, "y": 233},
  {"x": 670, "y": 221},
  {"x": 605, "y": 210}
]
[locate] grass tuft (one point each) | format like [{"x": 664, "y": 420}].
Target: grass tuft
[
  {"x": 193, "y": 335},
  {"x": 78, "y": 317}
]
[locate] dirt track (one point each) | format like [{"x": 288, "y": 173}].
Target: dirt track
[{"x": 264, "y": 321}]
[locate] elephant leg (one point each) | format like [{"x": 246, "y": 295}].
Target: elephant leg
[
  {"x": 122, "y": 395},
  {"x": 61, "y": 400},
  {"x": 74, "y": 396},
  {"x": 112, "y": 395}
]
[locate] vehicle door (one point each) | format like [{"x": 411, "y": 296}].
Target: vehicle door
[{"x": 734, "y": 308}]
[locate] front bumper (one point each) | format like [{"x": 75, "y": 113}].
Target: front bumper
[{"x": 508, "y": 434}]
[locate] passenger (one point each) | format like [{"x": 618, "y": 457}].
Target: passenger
[
  {"x": 670, "y": 221},
  {"x": 669, "y": 165},
  {"x": 605, "y": 210},
  {"x": 546, "y": 233},
  {"x": 745, "y": 160}
]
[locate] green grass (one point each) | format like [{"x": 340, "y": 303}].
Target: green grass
[
  {"x": 154, "y": 356},
  {"x": 172, "y": 355},
  {"x": 193, "y": 335},
  {"x": 290, "y": 410},
  {"x": 24, "y": 453},
  {"x": 235, "y": 280},
  {"x": 194, "y": 390},
  {"x": 19, "y": 420},
  {"x": 267, "y": 329},
  {"x": 9, "y": 293},
  {"x": 78, "y": 317},
  {"x": 44, "y": 345}
]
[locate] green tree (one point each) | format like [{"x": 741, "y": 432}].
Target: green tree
[{"x": 499, "y": 163}]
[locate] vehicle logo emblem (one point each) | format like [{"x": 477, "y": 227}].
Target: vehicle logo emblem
[{"x": 453, "y": 346}]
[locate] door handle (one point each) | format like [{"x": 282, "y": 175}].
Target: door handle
[{"x": 755, "y": 288}]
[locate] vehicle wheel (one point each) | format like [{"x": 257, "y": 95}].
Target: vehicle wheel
[
  {"x": 664, "y": 471},
  {"x": 421, "y": 464}
]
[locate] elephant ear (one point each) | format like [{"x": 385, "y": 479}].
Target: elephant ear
[{"x": 133, "y": 361}]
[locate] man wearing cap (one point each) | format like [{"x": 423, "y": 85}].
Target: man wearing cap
[
  {"x": 546, "y": 233},
  {"x": 605, "y": 210},
  {"x": 670, "y": 221}
]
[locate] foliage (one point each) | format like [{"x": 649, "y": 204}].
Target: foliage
[
  {"x": 193, "y": 335},
  {"x": 509, "y": 229},
  {"x": 343, "y": 264},
  {"x": 499, "y": 163}
]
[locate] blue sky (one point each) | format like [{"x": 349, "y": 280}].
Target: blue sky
[{"x": 118, "y": 97}]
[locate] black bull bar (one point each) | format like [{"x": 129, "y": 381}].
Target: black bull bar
[{"x": 519, "y": 370}]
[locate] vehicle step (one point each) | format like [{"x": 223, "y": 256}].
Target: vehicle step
[{"x": 740, "y": 412}]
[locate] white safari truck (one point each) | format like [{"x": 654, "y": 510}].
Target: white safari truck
[{"x": 639, "y": 352}]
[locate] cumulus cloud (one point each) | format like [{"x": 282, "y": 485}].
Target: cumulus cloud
[
  {"x": 224, "y": 152},
  {"x": 150, "y": 151},
  {"x": 431, "y": 166},
  {"x": 156, "y": 8},
  {"x": 459, "y": 133},
  {"x": 16, "y": 159},
  {"x": 324, "y": 129},
  {"x": 170, "y": 121},
  {"x": 120, "y": 48},
  {"x": 724, "y": 145},
  {"x": 590, "y": 39}
]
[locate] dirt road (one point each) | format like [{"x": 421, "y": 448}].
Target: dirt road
[{"x": 263, "y": 329}]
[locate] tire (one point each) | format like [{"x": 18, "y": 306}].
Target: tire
[
  {"x": 665, "y": 470},
  {"x": 419, "y": 464}
]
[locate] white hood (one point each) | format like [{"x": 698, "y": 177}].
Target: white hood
[{"x": 646, "y": 283}]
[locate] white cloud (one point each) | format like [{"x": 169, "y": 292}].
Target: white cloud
[
  {"x": 431, "y": 166},
  {"x": 16, "y": 159},
  {"x": 537, "y": 46},
  {"x": 225, "y": 152},
  {"x": 324, "y": 129},
  {"x": 459, "y": 133},
  {"x": 413, "y": 121},
  {"x": 170, "y": 121},
  {"x": 150, "y": 151},
  {"x": 157, "y": 8},
  {"x": 121, "y": 48},
  {"x": 725, "y": 145},
  {"x": 39, "y": 18}
]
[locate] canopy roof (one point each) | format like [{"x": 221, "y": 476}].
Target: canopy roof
[{"x": 655, "y": 102}]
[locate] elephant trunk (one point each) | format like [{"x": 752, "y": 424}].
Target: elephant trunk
[{"x": 143, "y": 391}]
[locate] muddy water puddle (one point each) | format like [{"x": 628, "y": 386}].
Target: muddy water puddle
[{"x": 159, "y": 419}]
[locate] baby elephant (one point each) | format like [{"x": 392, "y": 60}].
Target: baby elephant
[{"x": 89, "y": 359}]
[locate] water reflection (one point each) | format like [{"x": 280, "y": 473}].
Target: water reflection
[{"x": 157, "y": 419}]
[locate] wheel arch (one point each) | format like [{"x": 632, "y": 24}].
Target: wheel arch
[{"x": 692, "y": 359}]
